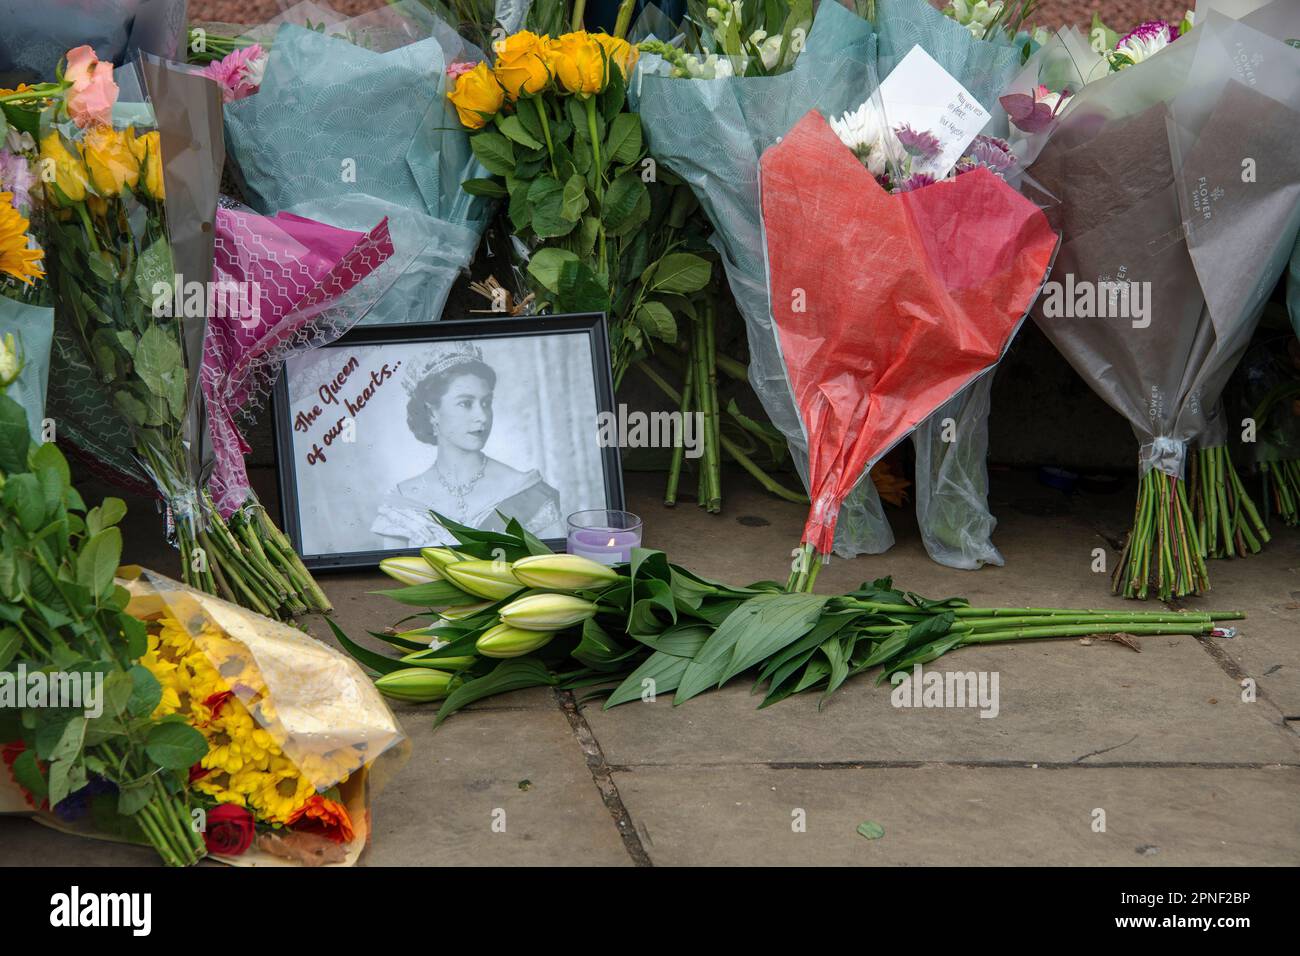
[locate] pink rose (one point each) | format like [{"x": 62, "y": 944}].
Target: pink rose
[{"x": 93, "y": 92}]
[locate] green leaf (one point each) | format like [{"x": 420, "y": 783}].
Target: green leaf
[
  {"x": 622, "y": 209},
  {"x": 431, "y": 594},
  {"x": 573, "y": 201},
  {"x": 665, "y": 670},
  {"x": 98, "y": 561},
  {"x": 134, "y": 797},
  {"x": 779, "y": 620},
  {"x": 28, "y": 775},
  {"x": 146, "y": 692},
  {"x": 681, "y": 272},
  {"x": 157, "y": 358},
  {"x": 657, "y": 320},
  {"x": 59, "y": 735},
  {"x": 495, "y": 153},
  {"x": 175, "y": 746},
  {"x": 364, "y": 656},
  {"x": 514, "y": 130},
  {"x": 24, "y": 498},
  {"x": 51, "y": 469},
  {"x": 579, "y": 290},
  {"x": 545, "y": 266},
  {"x": 14, "y": 436},
  {"x": 624, "y": 143},
  {"x": 10, "y": 642},
  {"x": 154, "y": 266},
  {"x": 871, "y": 830},
  {"x": 485, "y": 187},
  {"x": 515, "y": 674}
]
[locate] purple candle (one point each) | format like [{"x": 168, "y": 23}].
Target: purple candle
[{"x": 603, "y": 535}]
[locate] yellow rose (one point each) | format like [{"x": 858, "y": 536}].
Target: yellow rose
[
  {"x": 477, "y": 96},
  {"x": 69, "y": 174},
  {"x": 523, "y": 63},
  {"x": 580, "y": 63},
  {"x": 148, "y": 150},
  {"x": 111, "y": 160},
  {"x": 620, "y": 52}
]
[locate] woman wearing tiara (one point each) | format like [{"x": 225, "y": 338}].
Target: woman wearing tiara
[{"x": 449, "y": 405}]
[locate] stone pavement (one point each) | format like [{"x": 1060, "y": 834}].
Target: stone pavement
[{"x": 1185, "y": 771}]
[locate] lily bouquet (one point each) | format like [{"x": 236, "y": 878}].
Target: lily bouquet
[{"x": 504, "y": 613}]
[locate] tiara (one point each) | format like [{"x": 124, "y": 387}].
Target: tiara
[{"x": 438, "y": 359}]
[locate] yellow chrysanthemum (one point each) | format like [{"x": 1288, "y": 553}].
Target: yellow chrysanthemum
[
  {"x": 328, "y": 769},
  {"x": 224, "y": 788},
  {"x": 16, "y": 258},
  {"x": 283, "y": 792}
]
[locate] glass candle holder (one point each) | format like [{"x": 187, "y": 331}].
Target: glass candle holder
[{"x": 603, "y": 535}]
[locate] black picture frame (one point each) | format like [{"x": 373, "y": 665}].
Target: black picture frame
[{"x": 287, "y": 472}]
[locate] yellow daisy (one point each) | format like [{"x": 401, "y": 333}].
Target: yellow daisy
[{"x": 16, "y": 259}]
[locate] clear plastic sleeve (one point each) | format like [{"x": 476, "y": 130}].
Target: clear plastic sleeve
[{"x": 351, "y": 124}]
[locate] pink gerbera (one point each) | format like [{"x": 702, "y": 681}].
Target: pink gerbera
[{"x": 239, "y": 73}]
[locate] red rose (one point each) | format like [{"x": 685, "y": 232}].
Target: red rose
[{"x": 230, "y": 830}]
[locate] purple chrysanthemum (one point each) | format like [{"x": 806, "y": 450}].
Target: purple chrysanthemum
[
  {"x": 921, "y": 143},
  {"x": 990, "y": 152},
  {"x": 1146, "y": 40},
  {"x": 916, "y": 181}
]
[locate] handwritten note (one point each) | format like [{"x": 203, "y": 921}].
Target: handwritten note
[{"x": 924, "y": 96}]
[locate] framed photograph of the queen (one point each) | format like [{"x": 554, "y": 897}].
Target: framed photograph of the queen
[{"x": 472, "y": 419}]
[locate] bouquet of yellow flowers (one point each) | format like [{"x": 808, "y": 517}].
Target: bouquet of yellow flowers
[{"x": 131, "y": 270}]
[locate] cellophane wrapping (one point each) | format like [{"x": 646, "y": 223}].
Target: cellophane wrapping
[
  {"x": 320, "y": 710},
  {"x": 32, "y": 327},
  {"x": 910, "y": 298},
  {"x": 712, "y": 133},
  {"x": 1147, "y": 166},
  {"x": 312, "y": 282},
  {"x": 37, "y": 35},
  {"x": 351, "y": 125},
  {"x": 124, "y": 382}
]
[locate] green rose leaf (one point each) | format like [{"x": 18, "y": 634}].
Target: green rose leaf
[
  {"x": 627, "y": 205},
  {"x": 494, "y": 151},
  {"x": 580, "y": 290},
  {"x": 545, "y": 266},
  {"x": 573, "y": 201},
  {"x": 175, "y": 746},
  {"x": 10, "y": 641},
  {"x": 28, "y": 775},
  {"x": 871, "y": 830},
  {"x": 146, "y": 692},
  {"x": 681, "y": 272},
  {"x": 515, "y": 131},
  {"x": 158, "y": 359},
  {"x": 624, "y": 143},
  {"x": 154, "y": 270}
]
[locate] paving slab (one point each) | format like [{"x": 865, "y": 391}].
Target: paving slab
[
  {"x": 943, "y": 816},
  {"x": 1059, "y": 702},
  {"x": 24, "y": 842},
  {"x": 523, "y": 769}
]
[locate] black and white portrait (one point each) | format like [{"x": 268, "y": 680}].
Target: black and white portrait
[{"x": 382, "y": 433}]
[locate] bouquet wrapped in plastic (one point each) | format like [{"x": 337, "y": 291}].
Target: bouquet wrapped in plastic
[
  {"x": 351, "y": 125},
  {"x": 266, "y": 738},
  {"x": 1179, "y": 185},
  {"x": 711, "y": 132},
  {"x": 886, "y": 305},
  {"x": 1269, "y": 386}
]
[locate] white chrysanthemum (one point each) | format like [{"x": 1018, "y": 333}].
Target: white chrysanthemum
[{"x": 1144, "y": 42}]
